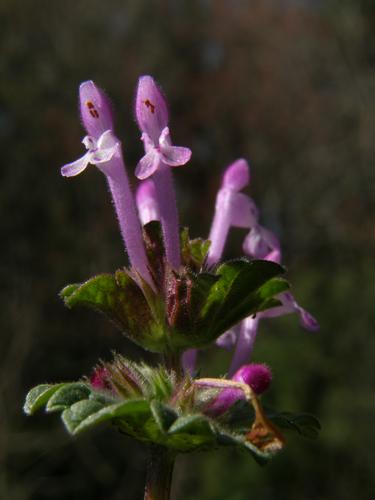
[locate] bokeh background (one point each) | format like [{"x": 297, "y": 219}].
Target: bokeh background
[{"x": 289, "y": 85}]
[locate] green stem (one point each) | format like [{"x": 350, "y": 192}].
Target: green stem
[
  {"x": 159, "y": 473},
  {"x": 172, "y": 361}
]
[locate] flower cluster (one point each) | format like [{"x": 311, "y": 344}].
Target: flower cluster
[
  {"x": 155, "y": 201},
  {"x": 176, "y": 297}
]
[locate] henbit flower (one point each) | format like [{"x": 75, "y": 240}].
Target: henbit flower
[
  {"x": 104, "y": 151},
  {"x": 147, "y": 204},
  {"x": 261, "y": 243},
  {"x": 232, "y": 208},
  {"x": 257, "y": 376},
  {"x": 152, "y": 117}
]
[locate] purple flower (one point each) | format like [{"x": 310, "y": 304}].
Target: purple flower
[
  {"x": 261, "y": 243},
  {"x": 232, "y": 208},
  {"x": 152, "y": 117},
  {"x": 104, "y": 151},
  {"x": 257, "y": 376},
  {"x": 147, "y": 204}
]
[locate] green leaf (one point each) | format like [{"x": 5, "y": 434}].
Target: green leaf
[
  {"x": 218, "y": 302},
  {"x": 243, "y": 289},
  {"x": 67, "y": 291},
  {"x": 164, "y": 415},
  {"x": 191, "y": 432},
  {"x": 79, "y": 412},
  {"x": 193, "y": 252},
  {"x": 38, "y": 397},
  {"x": 191, "y": 424},
  {"x": 67, "y": 395},
  {"x": 121, "y": 299},
  {"x": 305, "y": 424},
  {"x": 120, "y": 413},
  {"x": 238, "y": 417}
]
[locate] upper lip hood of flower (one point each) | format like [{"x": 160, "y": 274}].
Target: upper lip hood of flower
[
  {"x": 151, "y": 108},
  {"x": 95, "y": 109}
]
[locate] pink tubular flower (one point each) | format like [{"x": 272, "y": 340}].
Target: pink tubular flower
[
  {"x": 261, "y": 243},
  {"x": 152, "y": 117},
  {"x": 233, "y": 208},
  {"x": 147, "y": 204},
  {"x": 104, "y": 151},
  {"x": 257, "y": 376}
]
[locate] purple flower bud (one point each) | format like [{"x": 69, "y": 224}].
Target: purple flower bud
[
  {"x": 151, "y": 108},
  {"x": 100, "y": 379},
  {"x": 96, "y": 111},
  {"x": 237, "y": 175},
  {"x": 257, "y": 376},
  {"x": 146, "y": 202}
]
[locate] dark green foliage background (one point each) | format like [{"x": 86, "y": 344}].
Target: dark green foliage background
[{"x": 288, "y": 85}]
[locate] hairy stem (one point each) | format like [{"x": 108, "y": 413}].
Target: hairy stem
[
  {"x": 172, "y": 361},
  {"x": 159, "y": 474}
]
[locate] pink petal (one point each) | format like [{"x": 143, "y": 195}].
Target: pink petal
[
  {"x": 76, "y": 167},
  {"x": 260, "y": 243},
  {"x": 290, "y": 305},
  {"x": 175, "y": 156},
  {"x": 96, "y": 111},
  {"x": 103, "y": 155},
  {"x": 308, "y": 321},
  {"x": 228, "y": 339},
  {"x": 244, "y": 212},
  {"x": 150, "y": 108},
  {"x": 147, "y": 165},
  {"x": 107, "y": 140}
]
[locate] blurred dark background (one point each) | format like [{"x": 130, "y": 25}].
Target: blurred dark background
[{"x": 288, "y": 85}]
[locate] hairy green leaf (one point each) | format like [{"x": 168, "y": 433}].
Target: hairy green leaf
[
  {"x": 121, "y": 299},
  {"x": 38, "y": 397},
  {"x": 67, "y": 395}
]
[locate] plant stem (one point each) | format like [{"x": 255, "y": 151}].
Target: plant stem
[
  {"x": 159, "y": 474},
  {"x": 172, "y": 362}
]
